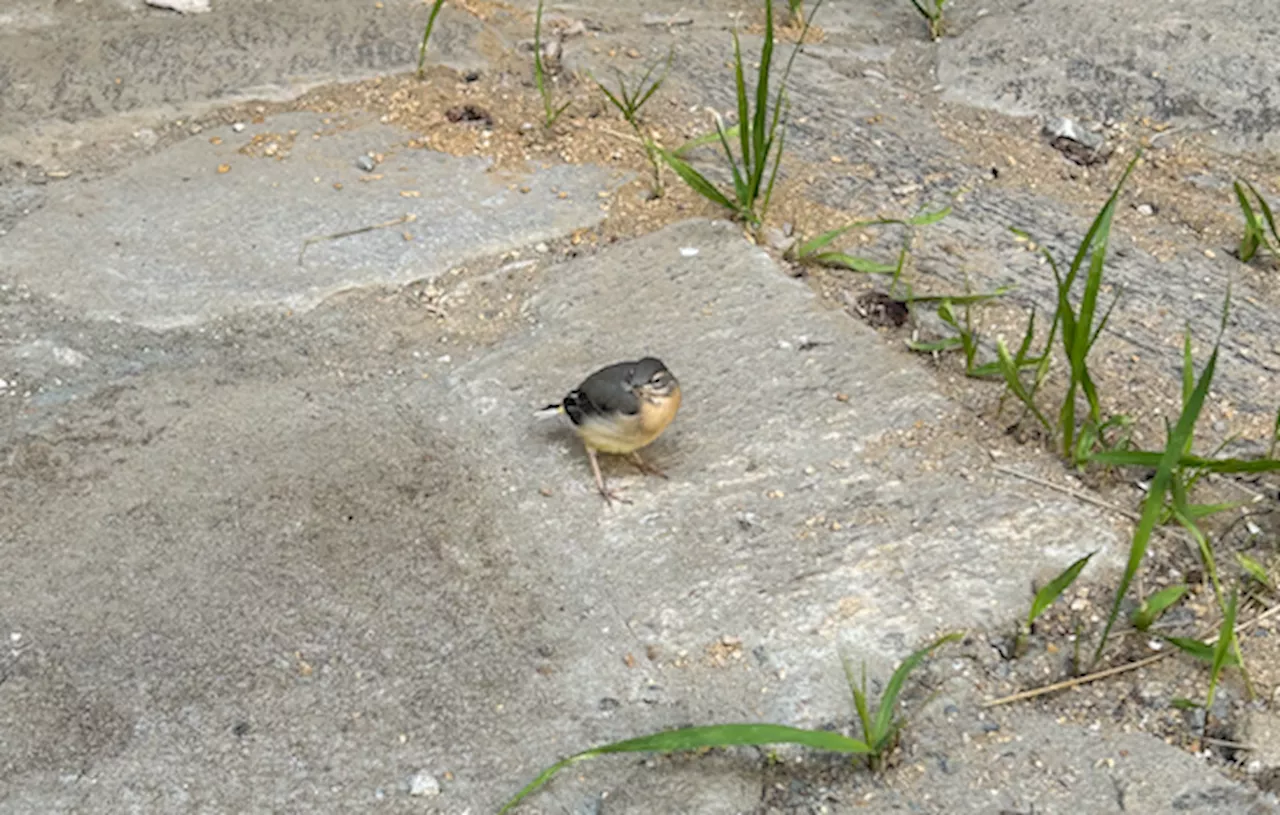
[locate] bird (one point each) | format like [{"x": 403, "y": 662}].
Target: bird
[{"x": 620, "y": 409}]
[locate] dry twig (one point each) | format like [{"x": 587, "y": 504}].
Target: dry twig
[
  {"x": 1119, "y": 669},
  {"x": 403, "y": 219}
]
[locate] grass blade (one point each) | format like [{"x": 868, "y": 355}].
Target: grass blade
[
  {"x": 1020, "y": 358},
  {"x": 625, "y": 110},
  {"x": 739, "y": 183},
  {"x": 730, "y": 132},
  {"x": 1155, "y": 605},
  {"x": 814, "y": 244},
  {"x": 1101, "y": 224},
  {"x": 1253, "y": 235},
  {"x": 1148, "y": 459},
  {"x": 1054, "y": 588},
  {"x": 1153, "y": 506},
  {"x": 889, "y": 700},
  {"x": 773, "y": 176},
  {"x": 744, "y": 114},
  {"x": 1009, "y": 370},
  {"x": 693, "y": 738},
  {"x": 1195, "y": 512},
  {"x": 1222, "y": 650},
  {"x": 657, "y": 83},
  {"x": 859, "y": 693},
  {"x": 1188, "y": 367},
  {"x": 840, "y": 260},
  {"x": 760, "y": 145},
  {"x": 1199, "y": 649},
  {"x": 1255, "y": 569},
  {"x": 696, "y": 180},
  {"x": 1266, "y": 214},
  {"x": 426, "y": 35},
  {"x": 1077, "y": 327},
  {"x": 927, "y": 218}
]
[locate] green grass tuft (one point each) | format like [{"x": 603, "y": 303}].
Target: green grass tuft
[
  {"x": 761, "y": 131},
  {"x": 630, "y": 101},
  {"x": 696, "y": 738},
  {"x": 550, "y": 113},
  {"x": 880, "y": 730},
  {"x": 1161, "y": 485},
  {"x": 797, "y": 12},
  {"x": 1255, "y": 236},
  {"x": 931, "y": 11}
]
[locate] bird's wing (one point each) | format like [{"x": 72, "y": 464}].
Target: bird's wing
[{"x": 605, "y": 392}]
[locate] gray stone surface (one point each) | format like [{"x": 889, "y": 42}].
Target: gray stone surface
[
  {"x": 365, "y": 580},
  {"x": 1196, "y": 64},
  {"x": 63, "y": 60},
  {"x": 270, "y": 563},
  {"x": 176, "y": 241},
  {"x": 1261, "y": 730}
]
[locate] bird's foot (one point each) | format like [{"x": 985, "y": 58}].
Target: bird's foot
[
  {"x": 610, "y": 496},
  {"x": 645, "y": 467}
]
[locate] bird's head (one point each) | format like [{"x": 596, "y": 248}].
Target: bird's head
[{"x": 651, "y": 380}]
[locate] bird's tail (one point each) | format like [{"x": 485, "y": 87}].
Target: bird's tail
[{"x": 550, "y": 410}]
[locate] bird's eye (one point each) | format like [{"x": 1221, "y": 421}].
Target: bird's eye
[{"x": 658, "y": 378}]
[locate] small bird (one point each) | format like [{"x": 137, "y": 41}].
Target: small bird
[{"x": 620, "y": 409}]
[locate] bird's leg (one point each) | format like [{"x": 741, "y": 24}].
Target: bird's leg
[
  {"x": 644, "y": 466},
  {"x": 604, "y": 492}
]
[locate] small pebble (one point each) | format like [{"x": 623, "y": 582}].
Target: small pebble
[
  {"x": 1146, "y": 209},
  {"x": 688, "y": 251},
  {"x": 365, "y": 163},
  {"x": 423, "y": 783},
  {"x": 3, "y": 384},
  {"x": 238, "y": 126},
  {"x": 542, "y": 248}
]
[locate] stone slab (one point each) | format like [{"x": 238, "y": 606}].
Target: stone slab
[
  {"x": 204, "y": 229},
  {"x": 299, "y": 591}
]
